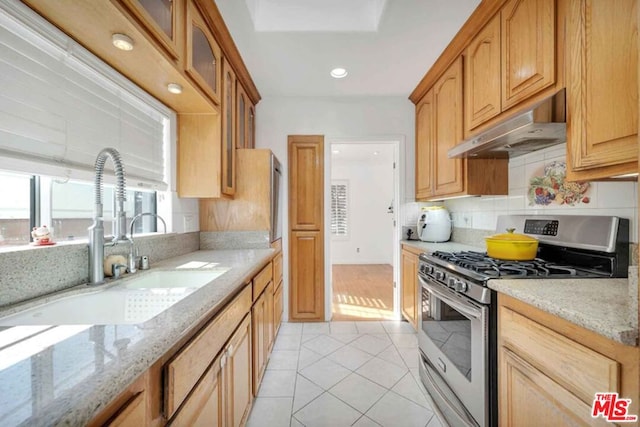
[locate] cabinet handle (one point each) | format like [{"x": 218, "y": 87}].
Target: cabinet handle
[
  {"x": 223, "y": 360},
  {"x": 230, "y": 350}
]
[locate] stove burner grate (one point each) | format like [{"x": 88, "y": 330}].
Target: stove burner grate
[{"x": 482, "y": 263}]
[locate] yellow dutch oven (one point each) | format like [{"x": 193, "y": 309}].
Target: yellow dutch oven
[{"x": 512, "y": 246}]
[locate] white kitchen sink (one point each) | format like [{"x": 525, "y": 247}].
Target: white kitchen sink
[{"x": 132, "y": 301}]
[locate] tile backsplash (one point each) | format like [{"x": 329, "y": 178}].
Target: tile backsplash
[{"x": 618, "y": 198}]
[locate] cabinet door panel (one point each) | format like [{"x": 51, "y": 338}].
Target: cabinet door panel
[
  {"x": 424, "y": 146},
  {"x": 242, "y": 119},
  {"x": 410, "y": 287},
  {"x": 307, "y": 276},
  {"x": 161, "y": 19},
  {"x": 482, "y": 76},
  {"x": 602, "y": 80},
  {"x": 448, "y": 131},
  {"x": 528, "y": 49},
  {"x": 204, "y": 405},
  {"x": 526, "y": 394},
  {"x": 306, "y": 172},
  {"x": 203, "y": 55},
  {"x": 258, "y": 332},
  {"x": 277, "y": 309},
  {"x": 238, "y": 369},
  {"x": 228, "y": 130}
]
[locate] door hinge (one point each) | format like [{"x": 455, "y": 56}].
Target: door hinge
[
  {"x": 394, "y": 222},
  {"x": 394, "y": 285},
  {"x": 394, "y": 165}
]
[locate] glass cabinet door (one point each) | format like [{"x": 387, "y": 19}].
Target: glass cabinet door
[
  {"x": 241, "y": 122},
  {"x": 203, "y": 58},
  {"x": 161, "y": 19},
  {"x": 251, "y": 127},
  {"x": 228, "y": 130}
]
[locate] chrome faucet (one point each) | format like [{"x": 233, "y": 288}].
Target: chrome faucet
[
  {"x": 96, "y": 230},
  {"x": 131, "y": 262}
]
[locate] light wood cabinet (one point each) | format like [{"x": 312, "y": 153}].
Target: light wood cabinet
[
  {"x": 438, "y": 129},
  {"x": 424, "y": 146},
  {"x": 306, "y": 228},
  {"x": 163, "y": 21},
  {"x": 129, "y": 409},
  {"x": 245, "y": 119},
  {"x": 306, "y": 171},
  {"x": 410, "y": 287},
  {"x": 602, "y": 89},
  {"x": 278, "y": 308},
  {"x": 205, "y": 405},
  {"x": 251, "y": 126},
  {"x": 203, "y": 59},
  {"x": 238, "y": 379},
  {"x": 528, "y": 48},
  {"x": 228, "y": 130},
  {"x": 199, "y": 150},
  {"x": 187, "y": 366},
  {"x": 223, "y": 396},
  {"x": 551, "y": 369},
  {"x": 447, "y": 100},
  {"x": 482, "y": 71},
  {"x": 259, "y": 340},
  {"x": 306, "y": 301}
]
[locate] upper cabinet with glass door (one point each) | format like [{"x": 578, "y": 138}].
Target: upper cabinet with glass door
[
  {"x": 203, "y": 57},
  {"x": 228, "y": 130},
  {"x": 162, "y": 19},
  {"x": 245, "y": 119}
]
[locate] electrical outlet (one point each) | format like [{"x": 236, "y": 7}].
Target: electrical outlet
[
  {"x": 358, "y": 250},
  {"x": 188, "y": 223}
]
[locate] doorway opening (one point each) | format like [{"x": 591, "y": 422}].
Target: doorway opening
[{"x": 363, "y": 214}]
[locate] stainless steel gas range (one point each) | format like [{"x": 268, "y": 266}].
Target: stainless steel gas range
[{"x": 457, "y": 317}]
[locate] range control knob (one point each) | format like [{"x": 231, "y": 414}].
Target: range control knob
[
  {"x": 460, "y": 286},
  {"x": 439, "y": 275},
  {"x": 451, "y": 282}
]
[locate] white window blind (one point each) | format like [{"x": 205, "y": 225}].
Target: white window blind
[
  {"x": 339, "y": 208},
  {"x": 60, "y": 105}
]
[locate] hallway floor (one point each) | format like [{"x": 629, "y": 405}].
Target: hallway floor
[
  {"x": 362, "y": 291},
  {"x": 336, "y": 374}
]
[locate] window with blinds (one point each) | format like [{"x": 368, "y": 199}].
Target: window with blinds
[
  {"x": 60, "y": 105},
  {"x": 339, "y": 208}
]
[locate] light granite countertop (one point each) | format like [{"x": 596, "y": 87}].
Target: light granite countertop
[
  {"x": 65, "y": 375},
  {"x": 444, "y": 246},
  {"x": 599, "y": 305}
]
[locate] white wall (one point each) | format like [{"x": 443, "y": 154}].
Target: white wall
[
  {"x": 370, "y": 226},
  {"x": 604, "y": 198},
  {"x": 362, "y": 118}
]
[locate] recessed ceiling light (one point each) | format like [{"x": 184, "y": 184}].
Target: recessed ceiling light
[
  {"x": 335, "y": 151},
  {"x": 174, "y": 88},
  {"x": 375, "y": 153},
  {"x": 338, "y": 73},
  {"x": 122, "y": 41}
]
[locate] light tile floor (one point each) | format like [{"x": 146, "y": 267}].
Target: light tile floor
[{"x": 336, "y": 374}]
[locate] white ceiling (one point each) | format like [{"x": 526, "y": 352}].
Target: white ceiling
[{"x": 302, "y": 40}]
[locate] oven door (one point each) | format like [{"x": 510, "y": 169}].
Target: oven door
[{"x": 453, "y": 342}]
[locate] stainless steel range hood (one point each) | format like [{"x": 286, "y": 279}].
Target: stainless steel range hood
[{"x": 532, "y": 130}]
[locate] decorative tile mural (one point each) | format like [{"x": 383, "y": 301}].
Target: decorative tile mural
[{"x": 548, "y": 186}]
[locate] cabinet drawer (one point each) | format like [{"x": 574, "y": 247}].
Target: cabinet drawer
[
  {"x": 187, "y": 366},
  {"x": 133, "y": 414},
  {"x": 203, "y": 407},
  {"x": 261, "y": 281},
  {"x": 277, "y": 269},
  {"x": 576, "y": 367}
]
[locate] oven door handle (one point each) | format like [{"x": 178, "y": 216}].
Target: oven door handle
[{"x": 467, "y": 310}]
